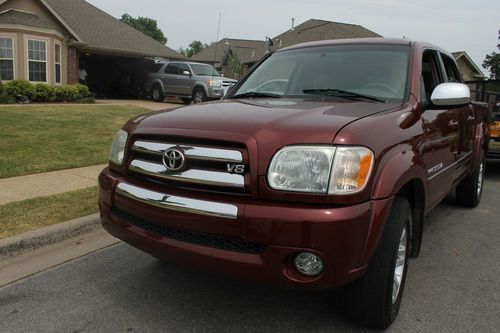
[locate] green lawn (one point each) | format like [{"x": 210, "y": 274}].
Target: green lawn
[
  {"x": 36, "y": 139},
  {"x": 22, "y": 216}
]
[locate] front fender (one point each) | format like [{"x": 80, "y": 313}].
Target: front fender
[{"x": 398, "y": 170}]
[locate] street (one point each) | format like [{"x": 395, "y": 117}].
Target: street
[{"x": 454, "y": 286}]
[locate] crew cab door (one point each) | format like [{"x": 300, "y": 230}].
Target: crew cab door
[
  {"x": 465, "y": 118},
  {"x": 441, "y": 145}
]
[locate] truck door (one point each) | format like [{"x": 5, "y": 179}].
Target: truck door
[
  {"x": 441, "y": 126},
  {"x": 465, "y": 118}
]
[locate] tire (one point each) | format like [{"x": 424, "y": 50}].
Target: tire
[
  {"x": 370, "y": 300},
  {"x": 186, "y": 101},
  {"x": 469, "y": 191},
  {"x": 199, "y": 95},
  {"x": 157, "y": 94}
]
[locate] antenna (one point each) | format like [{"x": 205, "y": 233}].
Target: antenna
[
  {"x": 293, "y": 23},
  {"x": 217, "y": 39}
]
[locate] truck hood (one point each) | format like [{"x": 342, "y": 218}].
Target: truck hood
[{"x": 290, "y": 121}]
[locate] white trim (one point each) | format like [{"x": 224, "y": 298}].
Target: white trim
[
  {"x": 66, "y": 25},
  {"x": 14, "y": 53},
  {"x": 48, "y": 55},
  {"x": 60, "y": 63},
  {"x": 31, "y": 29},
  {"x": 17, "y": 10}
]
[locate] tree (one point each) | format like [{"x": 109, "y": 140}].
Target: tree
[
  {"x": 195, "y": 47},
  {"x": 145, "y": 25},
  {"x": 492, "y": 64},
  {"x": 235, "y": 64}
]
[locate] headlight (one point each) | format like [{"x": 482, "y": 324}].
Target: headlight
[
  {"x": 301, "y": 168},
  {"x": 320, "y": 169},
  {"x": 215, "y": 83},
  {"x": 117, "y": 150}
]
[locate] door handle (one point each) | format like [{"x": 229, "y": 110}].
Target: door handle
[{"x": 453, "y": 123}]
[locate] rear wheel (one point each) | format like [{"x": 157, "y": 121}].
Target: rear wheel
[
  {"x": 470, "y": 189},
  {"x": 157, "y": 94},
  {"x": 199, "y": 95},
  {"x": 374, "y": 299}
]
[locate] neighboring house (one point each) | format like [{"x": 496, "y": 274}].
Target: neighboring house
[
  {"x": 470, "y": 71},
  {"x": 47, "y": 40},
  {"x": 250, "y": 51}
]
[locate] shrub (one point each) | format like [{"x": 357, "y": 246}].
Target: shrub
[
  {"x": 71, "y": 93},
  {"x": 43, "y": 93},
  {"x": 17, "y": 88}
]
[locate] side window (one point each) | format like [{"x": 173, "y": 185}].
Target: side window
[
  {"x": 182, "y": 68},
  {"x": 431, "y": 75},
  {"x": 451, "y": 69},
  {"x": 171, "y": 69}
]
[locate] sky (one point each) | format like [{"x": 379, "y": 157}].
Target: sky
[{"x": 458, "y": 25}]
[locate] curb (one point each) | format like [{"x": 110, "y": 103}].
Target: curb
[{"x": 32, "y": 240}]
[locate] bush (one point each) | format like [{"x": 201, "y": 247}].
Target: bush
[
  {"x": 71, "y": 93},
  {"x": 17, "y": 88},
  {"x": 43, "y": 93}
]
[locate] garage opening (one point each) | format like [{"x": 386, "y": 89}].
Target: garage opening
[{"x": 115, "y": 77}]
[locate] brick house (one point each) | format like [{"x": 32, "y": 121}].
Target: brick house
[{"x": 47, "y": 40}]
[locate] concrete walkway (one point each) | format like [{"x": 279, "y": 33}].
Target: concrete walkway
[{"x": 48, "y": 183}]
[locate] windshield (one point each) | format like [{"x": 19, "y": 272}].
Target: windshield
[
  {"x": 351, "y": 71},
  {"x": 204, "y": 70}
]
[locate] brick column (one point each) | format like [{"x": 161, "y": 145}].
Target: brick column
[{"x": 73, "y": 65}]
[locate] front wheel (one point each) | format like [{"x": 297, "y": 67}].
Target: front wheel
[
  {"x": 470, "y": 189},
  {"x": 374, "y": 299},
  {"x": 199, "y": 95},
  {"x": 186, "y": 100}
]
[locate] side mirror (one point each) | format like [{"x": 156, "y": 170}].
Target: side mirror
[
  {"x": 186, "y": 73},
  {"x": 450, "y": 94}
]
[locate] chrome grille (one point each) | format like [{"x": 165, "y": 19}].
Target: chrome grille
[
  {"x": 205, "y": 166},
  {"x": 227, "y": 83}
]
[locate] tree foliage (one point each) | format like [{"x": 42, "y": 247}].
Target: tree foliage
[
  {"x": 145, "y": 25},
  {"x": 235, "y": 64},
  {"x": 492, "y": 64},
  {"x": 196, "y": 46}
]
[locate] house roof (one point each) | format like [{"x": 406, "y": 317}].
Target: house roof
[
  {"x": 96, "y": 30},
  {"x": 19, "y": 17},
  {"x": 250, "y": 51},
  {"x": 216, "y": 52},
  {"x": 313, "y": 30},
  {"x": 473, "y": 66}
]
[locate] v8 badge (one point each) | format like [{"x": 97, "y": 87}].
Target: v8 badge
[{"x": 236, "y": 168}]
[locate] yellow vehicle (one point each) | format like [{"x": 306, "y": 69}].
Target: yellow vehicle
[{"x": 494, "y": 148}]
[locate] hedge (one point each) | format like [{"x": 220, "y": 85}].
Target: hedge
[{"x": 41, "y": 92}]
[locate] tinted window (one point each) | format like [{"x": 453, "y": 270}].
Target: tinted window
[
  {"x": 183, "y": 67},
  {"x": 171, "y": 69},
  {"x": 451, "y": 69},
  {"x": 430, "y": 73}
]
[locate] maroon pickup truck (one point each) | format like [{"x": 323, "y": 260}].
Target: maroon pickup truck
[{"x": 316, "y": 170}]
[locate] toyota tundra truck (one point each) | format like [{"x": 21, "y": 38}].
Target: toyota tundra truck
[{"x": 315, "y": 171}]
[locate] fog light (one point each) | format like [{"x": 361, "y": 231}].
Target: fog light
[{"x": 308, "y": 263}]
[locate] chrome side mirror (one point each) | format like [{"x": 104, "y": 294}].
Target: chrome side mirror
[{"x": 450, "y": 94}]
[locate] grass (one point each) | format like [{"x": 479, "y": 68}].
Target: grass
[
  {"x": 37, "y": 139},
  {"x": 22, "y": 216}
]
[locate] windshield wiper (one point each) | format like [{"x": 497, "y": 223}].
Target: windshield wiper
[
  {"x": 341, "y": 93},
  {"x": 254, "y": 94}
]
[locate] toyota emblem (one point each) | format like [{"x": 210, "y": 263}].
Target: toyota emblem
[{"x": 174, "y": 159}]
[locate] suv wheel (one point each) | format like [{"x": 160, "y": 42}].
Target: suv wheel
[
  {"x": 374, "y": 299},
  {"x": 157, "y": 94},
  {"x": 469, "y": 191},
  {"x": 199, "y": 95}
]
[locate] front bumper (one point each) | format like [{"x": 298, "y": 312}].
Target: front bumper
[
  {"x": 215, "y": 93},
  {"x": 241, "y": 237}
]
